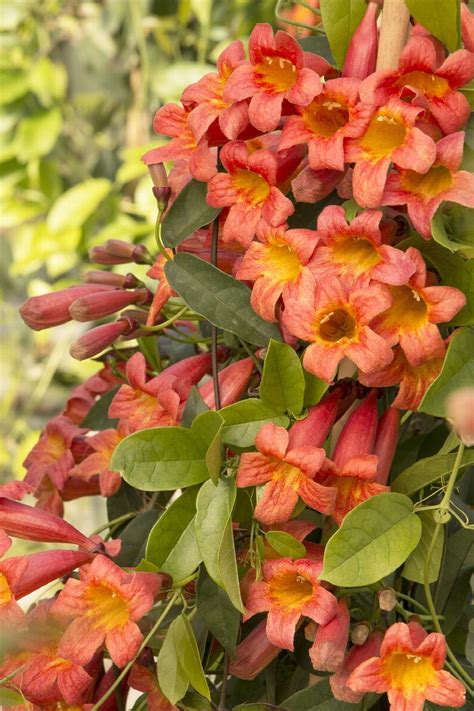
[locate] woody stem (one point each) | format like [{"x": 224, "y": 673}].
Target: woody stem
[
  {"x": 393, "y": 34},
  {"x": 145, "y": 642}
]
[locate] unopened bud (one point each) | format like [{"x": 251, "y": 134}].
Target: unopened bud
[
  {"x": 129, "y": 281},
  {"x": 115, "y": 251},
  {"x": 460, "y": 413},
  {"x": 52, "y": 309},
  {"x": 95, "y": 306},
  {"x": 467, "y": 27},
  {"x": 361, "y": 54},
  {"x": 387, "y": 599},
  {"x": 360, "y": 633},
  {"x": 98, "y": 339},
  {"x": 162, "y": 196},
  {"x": 158, "y": 175}
]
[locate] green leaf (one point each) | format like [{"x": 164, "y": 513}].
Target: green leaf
[
  {"x": 457, "y": 372},
  {"x": 48, "y": 81},
  {"x": 215, "y": 537},
  {"x": 427, "y": 471},
  {"x": 441, "y": 18},
  {"x": 133, "y": 537},
  {"x": 208, "y": 425},
  {"x": 218, "y": 612},
  {"x": 98, "y": 416},
  {"x": 453, "y": 270},
  {"x": 317, "y": 44},
  {"x": 285, "y": 544},
  {"x": 454, "y": 230},
  {"x": 283, "y": 383},
  {"x": 220, "y": 298},
  {"x": 340, "y": 20},
  {"x": 415, "y": 566},
  {"x": 172, "y": 544},
  {"x": 373, "y": 540},
  {"x": 188, "y": 212},
  {"x": 244, "y": 419},
  {"x": 179, "y": 663},
  {"x": 314, "y": 389},
  {"x": 316, "y": 696},
  {"x": 459, "y": 555},
  {"x": 77, "y": 204},
  {"x": 194, "y": 406},
  {"x": 10, "y": 697},
  {"x": 161, "y": 459},
  {"x": 37, "y": 134}
]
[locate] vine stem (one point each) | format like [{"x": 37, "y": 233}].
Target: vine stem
[
  {"x": 145, "y": 642},
  {"x": 393, "y": 33},
  {"x": 225, "y": 674},
  {"x": 165, "y": 324},
  {"x": 444, "y": 508},
  {"x": 113, "y": 522}
]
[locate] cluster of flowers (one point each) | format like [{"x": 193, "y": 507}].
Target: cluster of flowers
[{"x": 282, "y": 118}]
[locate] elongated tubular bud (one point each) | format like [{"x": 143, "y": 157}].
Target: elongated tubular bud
[
  {"x": 52, "y": 309},
  {"x": 386, "y": 442},
  {"x": 98, "y": 339},
  {"x": 95, "y": 306},
  {"x": 115, "y": 251},
  {"x": 233, "y": 382},
  {"x": 33, "y": 524},
  {"x": 361, "y": 54},
  {"x": 253, "y": 654},
  {"x": 45, "y": 567},
  {"x": 330, "y": 641},
  {"x": 313, "y": 430},
  {"x": 129, "y": 281},
  {"x": 467, "y": 27},
  {"x": 358, "y": 434}
]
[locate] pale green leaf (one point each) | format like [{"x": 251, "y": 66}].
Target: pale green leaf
[
  {"x": 340, "y": 19},
  {"x": 179, "y": 663},
  {"x": 285, "y": 544},
  {"x": 37, "y": 134},
  {"x": 441, "y": 18},
  {"x": 244, "y": 419},
  {"x": 414, "y": 568},
  {"x": 427, "y": 471},
  {"x": 77, "y": 204},
  {"x": 283, "y": 382}
]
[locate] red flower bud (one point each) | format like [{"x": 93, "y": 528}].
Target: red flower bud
[
  {"x": 52, "y": 309},
  {"x": 386, "y": 442},
  {"x": 361, "y": 54},
  {"x": 467, "y": 27},
  {"x": 158, "y": 175},
  {"x": 162, "y": 196},
  {"x": 98, "y": 339},
  {"x": 115, "y": 251},
  {"x": 95, "y": 306},
  {"x": 129, "y": 281}
]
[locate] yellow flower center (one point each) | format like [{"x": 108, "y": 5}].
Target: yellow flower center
[
  {"x": 408, "y": 672},
  {"x": 251, "y": 187},
  {"x": 428, "y": 84},
  {"x": 282, "y": 264},
  {"x": 290, "y": 590},
  {"x": 355, "y": 254},
  {"x": 386, "y": 132},
  {"x": 325, "y": 116},
  {"x": 334, "y": 326},
  {"x": 6, "y": 595},
  {"x": 106, "y": 607},
  {"x": 276, "y": 74},
  {"x": 435, "y": 181},
  {"x": 55, "y": 446},
  {"x": 408, "y": 310}
]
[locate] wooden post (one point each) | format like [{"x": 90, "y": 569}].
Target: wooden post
[{"x": 393, "y": 34}]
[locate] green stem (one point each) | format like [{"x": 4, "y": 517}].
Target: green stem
[
  {"x": 252, "y": 355},
  {"x": 314, "y": 10},
  {"x": 444, "y": 507},
  {"x": 158, "y": 239},
  {"x": 145, "y": 642},
  {"x": 165, "y": 324},
  {"x": 413, "y": 602},
  {"x": 313, "y": 28},
  {"x": 114, "y": 521}
]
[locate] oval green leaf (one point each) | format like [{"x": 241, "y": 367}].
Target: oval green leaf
[
  {"x": 283, "y": 382},
  {"x": 188, "y": 212},
  {"x": 414, "y": 568},
  {"x": 77, "y": 204},
  {"x": 340, "y": 20},
  {"x": 373, "y": 540},
  {"x": 427, "y": 471},
  {"x": 161, "y": 459},
  {"x": 242, "y": 421},
  {"x": 285, "y": 544},
  {"x": 217, "y": 611},
  {"x": 441, "y": 18},
  {"x": 220, "y": 298}
]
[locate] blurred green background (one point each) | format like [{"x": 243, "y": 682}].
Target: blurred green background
[{"x": 79, "y": 84}]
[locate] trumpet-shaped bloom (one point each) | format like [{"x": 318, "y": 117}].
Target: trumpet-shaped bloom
[
  {"x": 290, "y": 590},
  {"x": 391, "y": 137},
  {"x": 156, "y": 403},
  {"x": 233, "y": 381},
  {"x": 429, "y": 80},
  {"x": 423, "y": 192},
  {"x": 335, "y": 317},
  {"x": 409, "y": 669},
  {"x": 287, "y": 473},
  {"x": 330, "y": 640},
  {"x": 164, "y": 291},
  {"x": 103, "y": 445},
  {"x": 355, "y": 250},
  {"x": 104, "y": 606},
  {"x": 250, "y": 189},
  {"x": 273, "y": 263},
  {"x": 357, "y": 654},
  {"x": 143, "y": 679},
  {"x": 208, "y": 94},
  {"x": 173, "y": 120},
  {"x": 15, "y": 490},
  {"x": 314, "y": 185},
  {"x": 51, "y": 456},
  {"x": 413, "y": 381},
  {"x": 278, "y": 70},
  {"x": 415, "y": 310},
  {"x": 253, "y": 654},
  {"x": 333, "y": 116}
]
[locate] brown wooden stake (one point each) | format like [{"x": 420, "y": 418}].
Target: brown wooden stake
[{"x": 393, "y": 34}]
